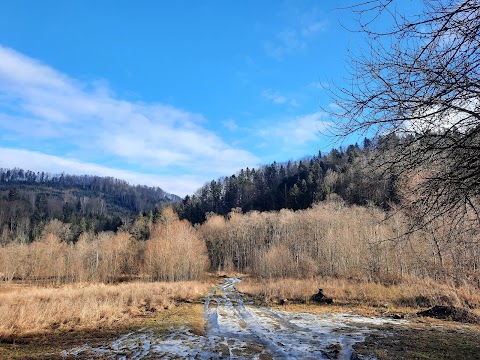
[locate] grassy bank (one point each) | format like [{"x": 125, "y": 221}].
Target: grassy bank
[
  {"x": 408, "y": 294},
  {"x": 50, "y": 345}
]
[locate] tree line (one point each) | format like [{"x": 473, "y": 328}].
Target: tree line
[
  {"x": 330, "y": 239},
  {"x": 351, "y": 173}
]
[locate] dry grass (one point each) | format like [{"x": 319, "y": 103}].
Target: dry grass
[
  {"x": 26, "y": 310},
  {"x": 184, "y": 315},
  {"x": 413, "y": 293}
]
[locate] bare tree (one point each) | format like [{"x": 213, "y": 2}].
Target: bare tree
[{"x": 420, "y": 81}]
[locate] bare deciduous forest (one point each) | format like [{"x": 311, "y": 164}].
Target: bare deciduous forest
[
  {"x": 335, "y": 240},
  {"x": 173, "y": 252},
  {"x": 331, "y": 239}
]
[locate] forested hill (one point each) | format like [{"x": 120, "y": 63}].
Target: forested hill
[
  {"x": 350, "y": 173},
  {"x": 29, "y": 200}
]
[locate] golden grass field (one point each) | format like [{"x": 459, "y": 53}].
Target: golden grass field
[
  {"x": 26, "y": 309},
  {"x": 33, "y": 309}
]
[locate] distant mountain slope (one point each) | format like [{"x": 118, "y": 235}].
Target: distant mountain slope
[{"x": 28, "y": 200}]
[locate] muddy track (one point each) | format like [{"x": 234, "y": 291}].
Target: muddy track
[
  {"x": 259, "y": 332},
  {"x": 239, "y": 330}
]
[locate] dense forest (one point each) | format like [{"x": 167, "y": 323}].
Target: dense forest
[
  {"x": 30, "y": 201},
  {"x": 299, "y": 184}
]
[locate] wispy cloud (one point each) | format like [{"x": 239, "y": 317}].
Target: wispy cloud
[
  {"x": 278, "y": 98},
  {"x": 304, "y": 26},
  {"x": 312, "y": 28},
  {"x": 298, "y": 130},
  {"x": 334, "y": 106},
  {"x": 316, "y": 85},
  {"x": 286, "y": 42},
  {"x": 45, "y": 108},
  {"x": 230, "y": 124}
]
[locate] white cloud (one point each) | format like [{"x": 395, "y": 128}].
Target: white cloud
[
  {"x": 334, "y": 106},
  {"x": 312, "y": 28},
  {"x": 42, "y": 106},
  {"x": 274, "y": 96},
  {"x": 285, "y": 42},
  {"x": 318, "y": 85},
  {"x": 439, "y": 119},
  {"x": 297, "y": 131},
  {"x": 294, "y": 103}
]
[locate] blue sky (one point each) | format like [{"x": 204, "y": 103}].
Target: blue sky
[{"x": 167, "y": 93}]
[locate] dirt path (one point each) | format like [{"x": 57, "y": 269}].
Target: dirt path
[{"x": 238, "y": 330}]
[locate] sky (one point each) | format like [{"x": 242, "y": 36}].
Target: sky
[{"x": 168, "y": 93}]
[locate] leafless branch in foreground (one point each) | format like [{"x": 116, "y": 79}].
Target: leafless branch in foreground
[{"x": 419, "y": 83}]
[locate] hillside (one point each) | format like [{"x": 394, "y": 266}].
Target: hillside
[
  {"x": 29, "y": 200},
  {"x": 349, "y": 172}
]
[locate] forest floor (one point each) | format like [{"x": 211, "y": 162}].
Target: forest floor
[{"x": 228, "y": 324}]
